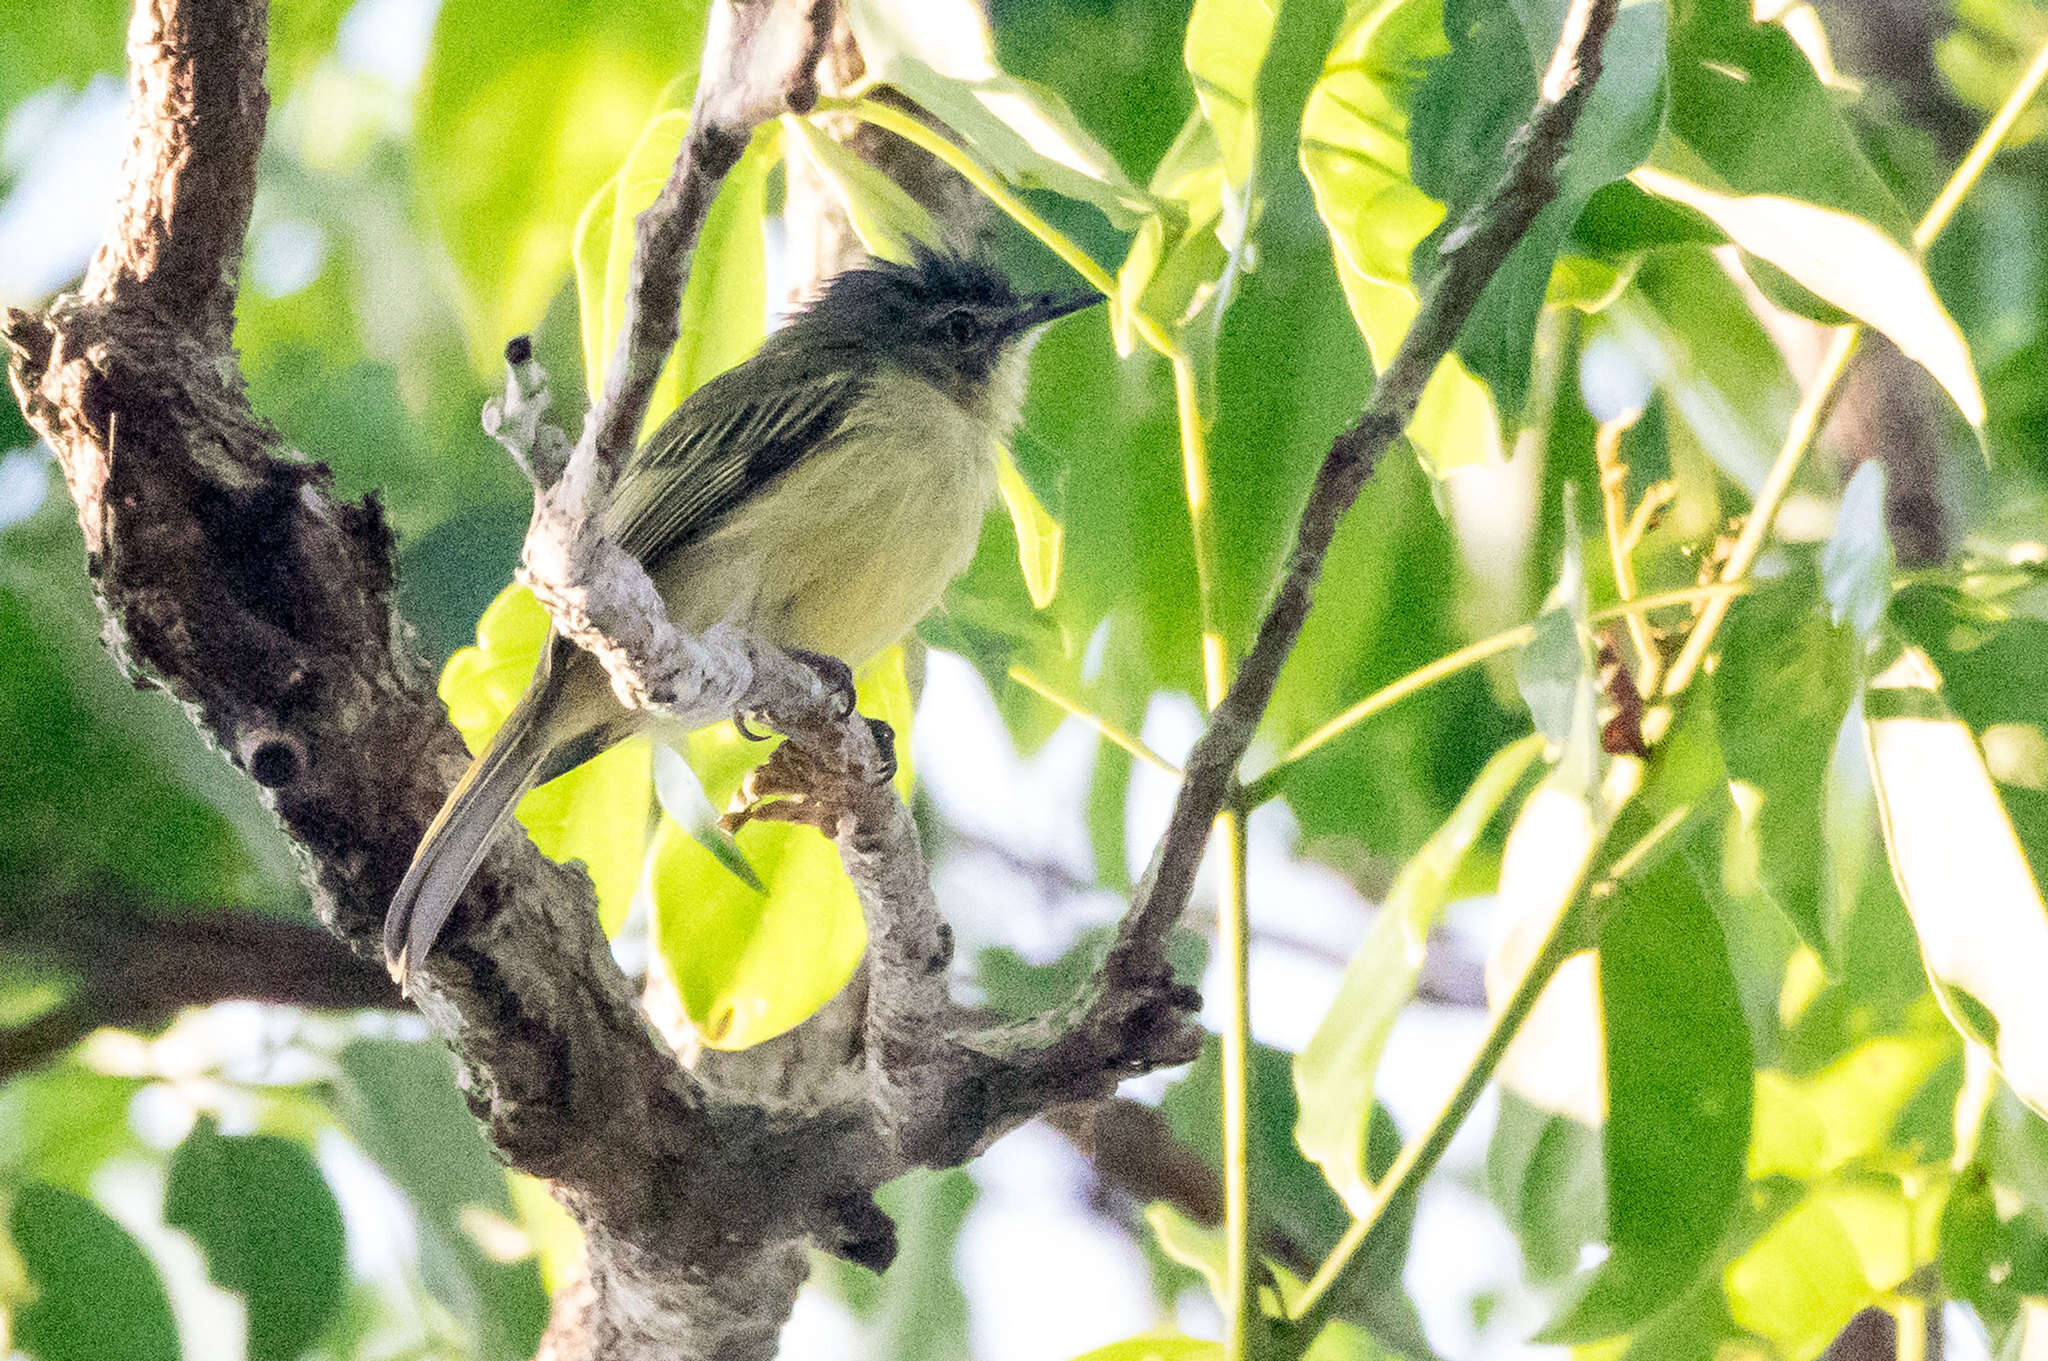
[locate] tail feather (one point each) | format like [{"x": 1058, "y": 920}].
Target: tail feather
[{"x": 448, "y": 855}]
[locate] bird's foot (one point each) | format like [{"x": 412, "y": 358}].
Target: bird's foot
[{"x": 885, "y": 742}]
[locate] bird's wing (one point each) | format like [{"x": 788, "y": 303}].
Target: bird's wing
[{"x": 737, "y": 432}]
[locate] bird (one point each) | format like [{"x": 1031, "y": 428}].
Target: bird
[{"x": 818, "y": 496}]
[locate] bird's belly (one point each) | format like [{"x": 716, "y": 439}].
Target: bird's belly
[{"x": 849, "y": 549}]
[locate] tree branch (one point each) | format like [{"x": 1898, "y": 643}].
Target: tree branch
[
  {"x": 1471, "y": 254},
  {"x": 140, "y": 963},
  {"x": 231, "y": 577}
]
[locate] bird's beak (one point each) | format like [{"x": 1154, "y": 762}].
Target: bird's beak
[{"x": 1050, "y": 307}]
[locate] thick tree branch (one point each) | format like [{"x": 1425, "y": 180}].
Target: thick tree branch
[{"x": 140, "y": 963}]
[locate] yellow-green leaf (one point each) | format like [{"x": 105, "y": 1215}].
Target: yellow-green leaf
[
  {"x": 1354, "y": 151},
  {"x": 749, "y": 965},
  {"x": 1226, "y": 45},
  {"x": 1039, "y": 535}
]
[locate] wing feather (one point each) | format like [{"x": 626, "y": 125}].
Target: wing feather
[{"x": 738, "y": 432}]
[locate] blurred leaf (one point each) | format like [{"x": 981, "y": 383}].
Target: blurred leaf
[
  {"x": 1838, "y": 1250},
  {"x": 1544, "y": 1171},
  {"x": 1851, "y": 264},
  {"x": 1780, "y": 692},
  {"x": 101, "y": 785},
  {"x": 1856, "y": 563},
  {"x": 271, "y": 1231},
  {"x": 724, "y": 313},
  {"x": 749, "y": 965},
  {"x": 924, "y": 1314},
  {"x": 97, "y": 1297},
  {"x": 58, "y": 1124},
  {"x": 519, "y": 122},
  {"x": 1354, "y": 151},
  {"x": 1334, "y": 1073},
  {"x": 883, "y": 215},
  {"x": 1982, "y": 925},
  {"x": 1688, "y": 329},
  {"x": 401, "y": 1104},
  {"x": 1678, "y": 1100},
  {"x": 1039, "y": 535},
  {"x": 1157, "y": 1347},
  {"x": 940, "y": 54},
  {"x": 596, "y": 813},
  {"x": 1468, "y": 107},
  {"x": 1812, "y": 1125},
  {"x": 59, "y": 45},
  {"x": 1983, "y": 57},
  {"x": 1555, "y": 672}
]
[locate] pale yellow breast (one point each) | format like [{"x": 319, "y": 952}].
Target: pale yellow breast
[{"x": 847, "y": 551}]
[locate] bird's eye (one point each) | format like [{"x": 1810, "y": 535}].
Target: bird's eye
[{"x": 962, "y": 328}]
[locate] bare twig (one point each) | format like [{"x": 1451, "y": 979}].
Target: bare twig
[{"x": 1472, "y": 252}]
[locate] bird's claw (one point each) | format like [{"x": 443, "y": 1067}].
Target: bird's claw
[
  {"x": 741, "y": 721},
  {"x": 836, "y": 675},
  {"x": 885, "y": 742}
]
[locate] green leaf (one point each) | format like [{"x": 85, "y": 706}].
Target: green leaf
[
  {"x": 1555, "y": 671},
  {"x": 1226, "y": 46},
  {"x": 1545, "y": 1172},
  {"x": 1856, "y": 562},
  {"x": 1748, "y": 104},
  {"x": 1678, "y": 1100},
  {"x": 940, "y": 54},
  {"x": 58, "y": 1124},
  {"x": 1039, "y": 535},
  {"x": 883, "y": 215},
  {"x": 1848, "y": 262},
  {"x": 1354, "y": 151},
  {"x": 271, "y": 1231},
  {"x": 1780, "y": 693},
  {"x": 1466, "y": 110},
  {"x": 1334, "y": 1073},
  {"x": 59, "y": 45},
  {"x": 97, "y": 1297},
  {"x": 747, "y": 964},
  {"x": 596, "y": 813},
  {"x": 401, "y": 1104},
  {"x": 518, "y": 123},
  {"x": 724, "y": 313},
  {"x": 1976, "y": 908}
]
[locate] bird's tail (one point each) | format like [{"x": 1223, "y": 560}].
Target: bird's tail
[{"x": 481, "y": 804}]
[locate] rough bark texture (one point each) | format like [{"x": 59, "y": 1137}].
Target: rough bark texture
[{"x": 231, "y": 576}]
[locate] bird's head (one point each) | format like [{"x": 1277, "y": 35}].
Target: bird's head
[{"x": 950, "y": 319}]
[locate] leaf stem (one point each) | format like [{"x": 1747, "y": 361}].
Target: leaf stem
[
  {"x": 1988, "y": 143},
  {"x": 1245, "y": 1324},
  {"x": 930, "y": 140},
  {"x": 1419, "y": 1156},
  {"x": 1194, "y": 462},
  {"x": 1622, "y": 535},
  {"x": 1110, "y": 731},
  {"x": 1387, "y": 696}
]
